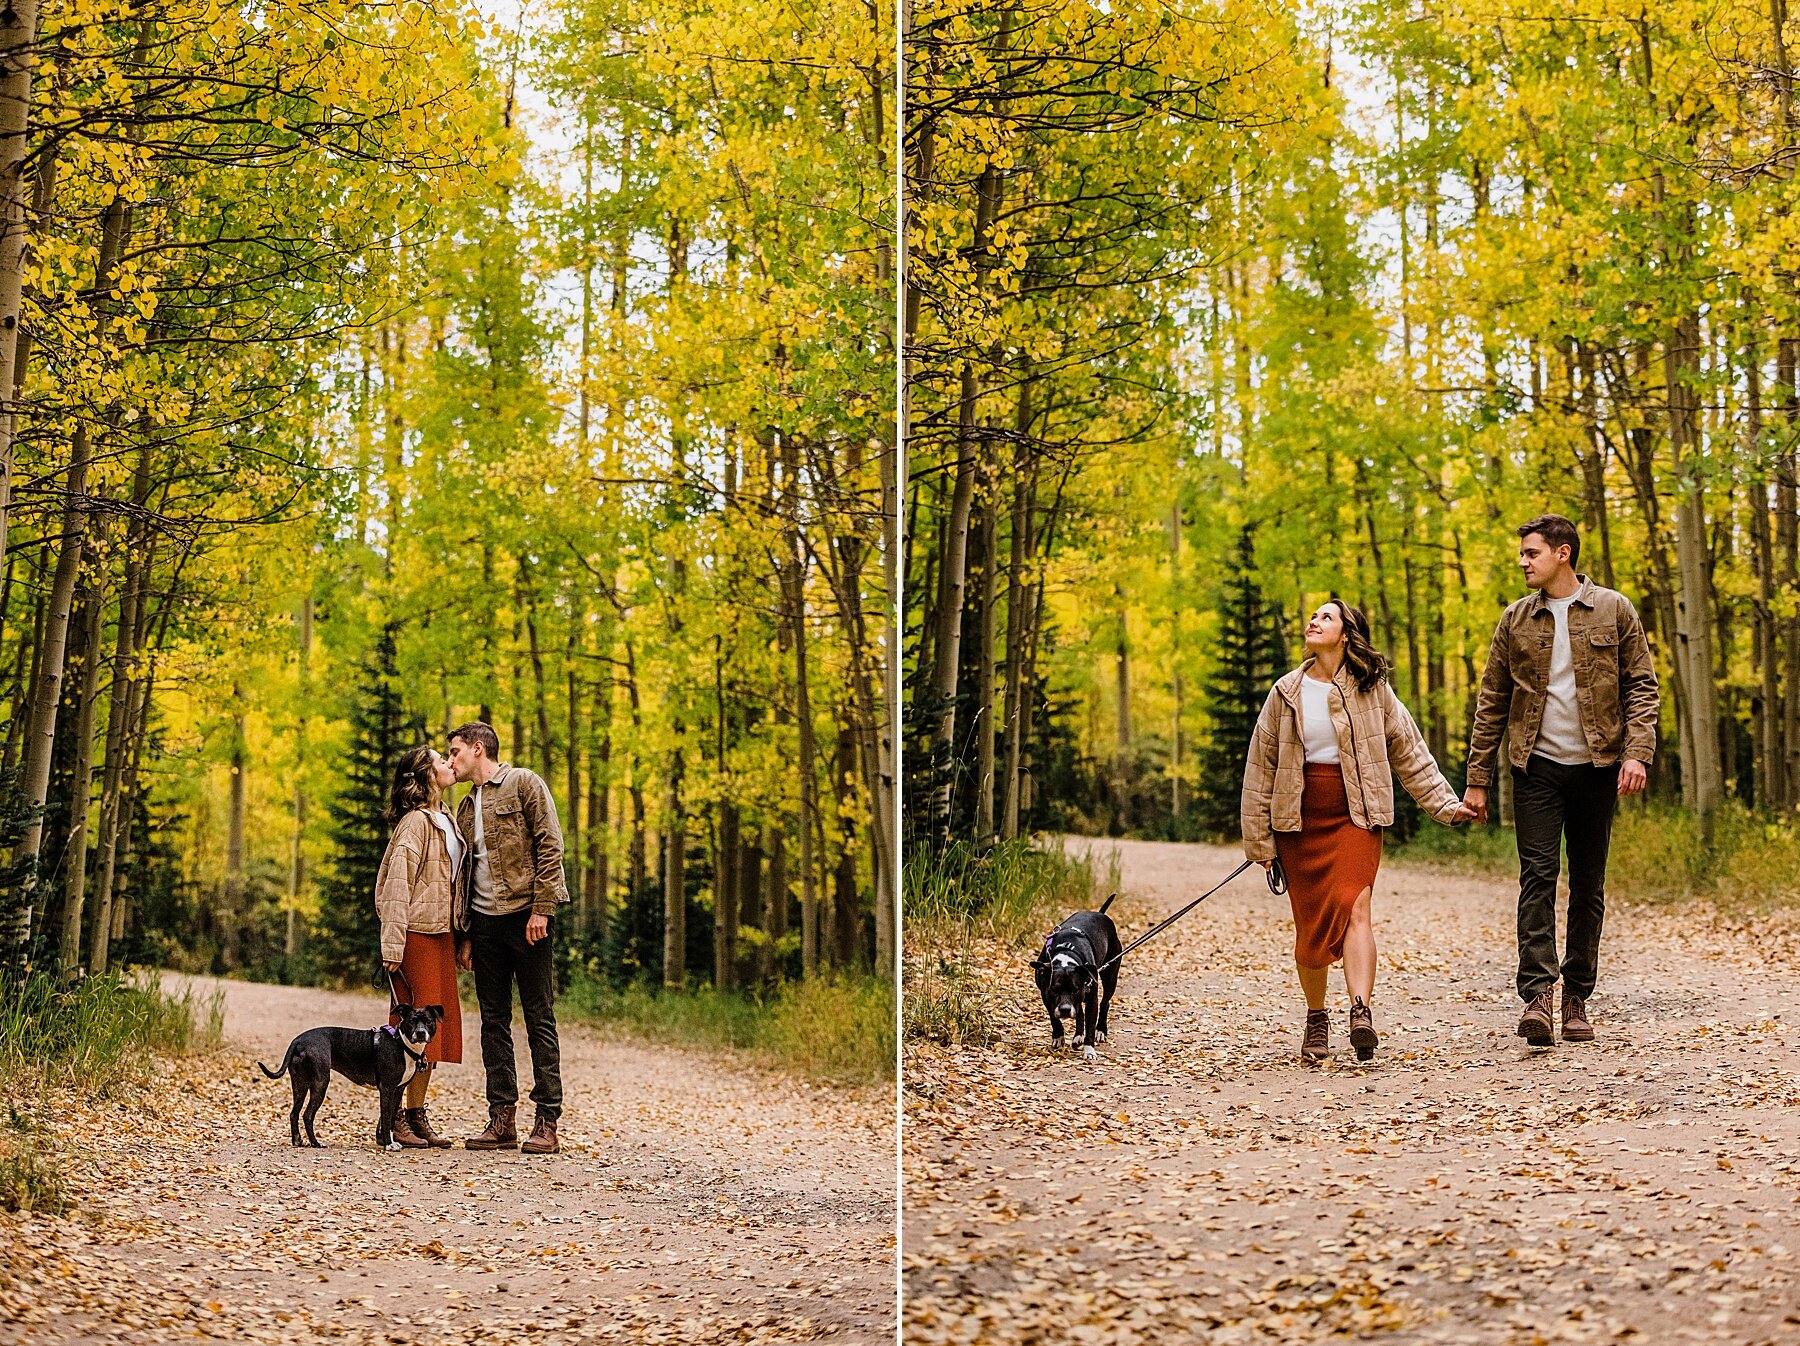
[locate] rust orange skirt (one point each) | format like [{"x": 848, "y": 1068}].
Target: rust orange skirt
[
  {"x": 429, "y": 966},
  {"x": 1329, "y": 861}
]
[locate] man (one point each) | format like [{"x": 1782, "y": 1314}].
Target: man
[
  {"x": 511, "y": 887},
  {"x": 1570, "y": 681}
]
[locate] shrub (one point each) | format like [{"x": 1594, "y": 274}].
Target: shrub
[
  {"x": 836, "y": 1028},
  {"x": 1003, "y": 887},
  {"x": 945, "y": 1003},
  {"x": 96, "y": 1032},
  {"x": 30, "y": 1179}
]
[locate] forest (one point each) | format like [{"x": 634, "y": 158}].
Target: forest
[
  {"x": 376, "y": 368},
  {"x": 1213, "y": 315}
]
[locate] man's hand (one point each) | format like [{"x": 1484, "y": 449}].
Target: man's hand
[
  {"x": 1464, "y": 814},
  {"x": 536, "y": 928},
  {"x": 465, "y": 955},
  {"x": 1475, "y": 799},
  {"x": 1633, "y": 776}
]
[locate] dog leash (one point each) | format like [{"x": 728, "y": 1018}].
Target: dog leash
[
  {"x": 394, "y": 1003},
  {"x": 1277, "y": 885}
]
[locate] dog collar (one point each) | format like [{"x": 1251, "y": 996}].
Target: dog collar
[{"x": 394, "y": 1033}]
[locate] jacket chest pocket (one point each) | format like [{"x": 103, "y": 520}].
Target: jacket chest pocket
[
  {"x": 1602, "y": 644},
  {"x": 508, "y": 818}
]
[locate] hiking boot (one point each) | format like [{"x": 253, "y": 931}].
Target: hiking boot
[
  {"x": 1362, "y": 1030},
  {"x": 1317, "y": 1044},
  {"x": 404, "y": 1134},
  {"x": 1536, "y": 1025},
  {"x": 543, "y": 1136},
  {"x": 421, "y": 1125},
  {"x": 1576, "y": 1027},
  {"x": 501, "y": 1134}
]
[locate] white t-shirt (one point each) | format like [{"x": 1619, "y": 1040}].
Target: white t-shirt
[
  {"x": 1315, "y": 720},
  {"x": 452, "y": 839},
  {"x": 482, "y": 882},
  {"x": 1560, "y": 736}
]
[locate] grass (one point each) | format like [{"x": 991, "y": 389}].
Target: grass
[
  {"x": 964, "y": 893},
  {"x": 93, "y": 1037},
  {"x": 1469, "y": 850},
  {"x": 31, "y": 1179},
  {"x": 946, "y": 1002},
  {"x": 1657, "y": 856},
  {"x": 1003, "y": 890},
  {"x": 95, "y": 1034},
  {"x": 1753, "y": 864},
  {"x": 839, "y": 1029}
]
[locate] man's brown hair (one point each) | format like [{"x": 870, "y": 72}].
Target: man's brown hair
[
  {"x": 1556, "y": 532},
  {"x": 476, "y": 733}
]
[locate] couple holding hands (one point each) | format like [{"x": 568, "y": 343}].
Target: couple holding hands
[
  {"x": 477, "y": 890},
  {"x": 1571, "y": 685}
]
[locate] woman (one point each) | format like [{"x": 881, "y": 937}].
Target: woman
[
  {"x": 415, "y": 901},
  {"x": 1318, "y": 789}
]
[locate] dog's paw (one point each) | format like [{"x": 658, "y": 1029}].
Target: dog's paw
[
  {"x": 1100, "y": 1037},
  {"x": 393, "y": 1145},
  {"x": 1057, "y": 1044},
  {"x": 1089, "y": 1054}
]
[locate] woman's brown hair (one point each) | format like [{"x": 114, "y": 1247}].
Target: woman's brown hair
[
  {"x": 1367, "y": 665},
  {"x": 414, "y": 786}
]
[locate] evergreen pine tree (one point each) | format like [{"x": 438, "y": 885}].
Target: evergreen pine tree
[
  {"x": 1250, "y": 657},
  {"x": 348, "y": 943}
]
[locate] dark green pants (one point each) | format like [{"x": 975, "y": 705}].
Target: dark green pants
[
  {"x": 1551, "y": 803},
  {"x": 502, "y": 959}
]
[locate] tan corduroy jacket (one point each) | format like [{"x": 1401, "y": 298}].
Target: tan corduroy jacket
[
  {"x": 1377, "y": 740},
  {"x": 524, "y": 843},
  {"x": 1615, "y": 681},
  {"x": 415, "y": 888}
]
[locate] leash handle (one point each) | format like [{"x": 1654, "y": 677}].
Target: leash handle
[{"x": 394, "y": 1001}]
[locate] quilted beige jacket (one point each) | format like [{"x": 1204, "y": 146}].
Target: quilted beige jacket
[
  {"x": 1377, "y": 740},
  {"x": 415, "y": 889}
]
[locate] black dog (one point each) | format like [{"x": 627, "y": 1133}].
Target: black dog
[
  {"x": 1077, "y": 971},
  {"x": 382, "y": 1058}
]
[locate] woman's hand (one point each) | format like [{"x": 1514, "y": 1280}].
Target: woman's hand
[
  {"x": 391, "y": 967},
  {"x": 1465, "y": 813},
  {"x": 1266, "y": 864}
]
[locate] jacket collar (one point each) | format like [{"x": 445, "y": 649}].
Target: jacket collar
[
  {"x": 500, "y": 772},
  {"x": 1289, "y": 683},
  {"x": 1584, "y": 596}
]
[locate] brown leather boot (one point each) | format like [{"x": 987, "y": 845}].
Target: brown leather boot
[
  {"x": 1316, "y": 1046},
  {"x": 404, "y": 1133},
  {"x": 421, "y": 1125},
  {"x": 1535, "y": 1025},
  {"x": 502, "y": 1132},
  {"x": 1576, "y": 1027},
  {"x": 1362, "y": 1030},
  {"x": 543, "y": 1137}
]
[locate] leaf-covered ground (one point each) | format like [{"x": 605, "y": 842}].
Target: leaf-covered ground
[
  {"x": 1462, "y": 1188},
  {"x": 695, "y": 1201}
]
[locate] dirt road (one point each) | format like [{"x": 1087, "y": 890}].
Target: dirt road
[
  {"x": 1197, "y": 1179},
  {"x": 696, "y": 1201}
]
